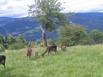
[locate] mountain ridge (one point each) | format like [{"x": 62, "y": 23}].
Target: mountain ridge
[{"x": 23, "y": 25}]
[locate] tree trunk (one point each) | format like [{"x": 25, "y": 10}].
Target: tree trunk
[{"x": 44, "y": 39}]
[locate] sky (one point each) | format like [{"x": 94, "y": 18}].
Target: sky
[{"x": 18, "y": 8}]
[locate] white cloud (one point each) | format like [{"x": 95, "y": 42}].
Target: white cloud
[
  {"x": 82, "y": 5},
  {"x": 15, "y": 7},
  {"x": 19, "y": 7}
]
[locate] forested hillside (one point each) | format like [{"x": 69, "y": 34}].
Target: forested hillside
[{"x": 29, "y": 28}]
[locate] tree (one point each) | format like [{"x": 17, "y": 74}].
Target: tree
[
  {"x": 5, "y": 42},
  {"x": 1, "y": 39},
  {"x": 73, "y": 35},
  {"x": 96, "y": 36},
  {"x": 17, "y": 42},
  {"x": 48, "y": 13},
  {"x": 10, "y": 39}
]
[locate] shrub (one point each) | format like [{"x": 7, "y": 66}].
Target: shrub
[
  {"x": 73, "y": 35},
  {"x": 96, "y": 36},
  {"x": 2, "y": 49},
  {"x": 16, "y": 46}
]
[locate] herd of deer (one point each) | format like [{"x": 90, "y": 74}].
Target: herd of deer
[{"x": 49, "y": 49}]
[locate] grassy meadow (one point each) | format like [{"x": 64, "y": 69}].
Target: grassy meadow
[{"x": 76, "y": 61}]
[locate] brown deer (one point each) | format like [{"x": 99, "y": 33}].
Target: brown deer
[{"x": 29, "y": 52}]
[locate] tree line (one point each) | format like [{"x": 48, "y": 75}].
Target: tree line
[
  {"x": 11, "y": 42},
  {"x": 73, "y": 34}
]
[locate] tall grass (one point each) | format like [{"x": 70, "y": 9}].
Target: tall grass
[{"x": 77, "y": 61}]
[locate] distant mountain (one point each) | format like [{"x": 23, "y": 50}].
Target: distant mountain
[
  {"x": 16, "y": 25},
  {"x": 29, "y": 27},
  {"x": 88, "y": 20}
]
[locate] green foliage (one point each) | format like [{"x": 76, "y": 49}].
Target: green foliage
[
  {"x": 2, "y": 49},
  {"x": 1, "y": 39},
  {"x": 3, "y": 45},
  {"x": 16, "y": 45},
  {"x": 73, "y": 35},
  {"x": 96, "y": 36},
  {"x": 10, "y": 39},
  {"x": 48, "y": 13},
  {"x": 10, "y": 42},
  {"x": 19, "y": 38},
  {"x": 5, "y": 42}
]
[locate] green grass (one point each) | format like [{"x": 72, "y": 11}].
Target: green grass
[{"x": 77, "y": 61}]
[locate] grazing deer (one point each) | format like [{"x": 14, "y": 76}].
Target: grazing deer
[
  {"x": 29, "y": 52},
  {"x": 49, "y": 49}
]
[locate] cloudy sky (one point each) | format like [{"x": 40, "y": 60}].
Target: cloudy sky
[{"x": 18, "y": 8}]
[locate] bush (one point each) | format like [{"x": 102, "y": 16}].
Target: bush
[
  {"x": 96, "y": 36},
  {"x": 2, "y": 49},
  {"x": 73, "y": 35},
  {"x": 16, "y": 46}
]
